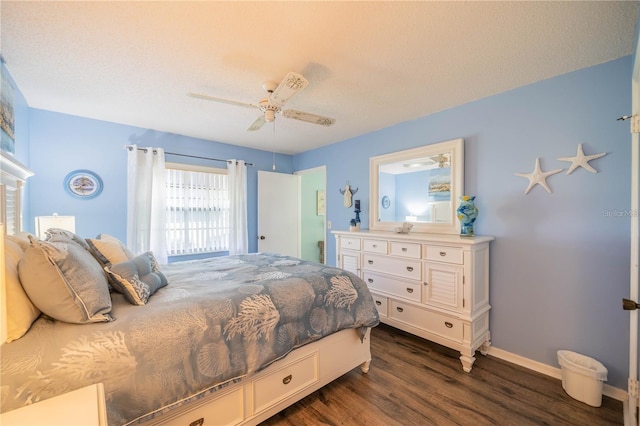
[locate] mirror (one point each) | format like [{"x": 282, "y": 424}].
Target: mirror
[{"x": 421, "y": 186}]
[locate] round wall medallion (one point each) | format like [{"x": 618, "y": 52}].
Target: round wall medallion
[
  {"x": 386, "y": 202},
  {"x": 83, "y": 184}
]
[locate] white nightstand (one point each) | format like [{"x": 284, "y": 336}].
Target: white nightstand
[{"x": 81, "y": 407}]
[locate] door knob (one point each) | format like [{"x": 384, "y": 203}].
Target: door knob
[{"x": 262, "y": 237}]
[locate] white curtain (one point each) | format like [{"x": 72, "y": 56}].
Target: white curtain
[
  {"x": 238, "y": 239},
  {"x": 146, "y": 202}
]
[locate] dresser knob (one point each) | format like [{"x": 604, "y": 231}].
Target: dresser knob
[
  {"x": 410, "y": 268},
  {"x": 198, "y": 422},
  {"x": 399, "y": 309},
  {"x": 287, "y": 379},
  {"x": 378, "y": 302},
  {"x": 443, "y": 253},
  {"x": 375, "y": 246},
  {"x": 448, "y": 324},
  {"x": 370, "y": 280},
  {"x": 409, "y": 290},
  {"x": 404, "y": 249},
  {"x": 371, "y": 262}
]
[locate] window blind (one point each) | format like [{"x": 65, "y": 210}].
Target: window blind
[{"x": 197, "y": 212}]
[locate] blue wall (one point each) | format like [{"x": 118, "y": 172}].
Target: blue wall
[
  {"x": 560, "y": 262},
  {"x": 61, "y": 143}
]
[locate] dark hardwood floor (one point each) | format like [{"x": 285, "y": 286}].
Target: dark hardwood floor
[{"x": 416, "y": 382}]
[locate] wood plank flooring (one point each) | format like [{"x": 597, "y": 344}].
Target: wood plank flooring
[{"x": 416, "y": 382}]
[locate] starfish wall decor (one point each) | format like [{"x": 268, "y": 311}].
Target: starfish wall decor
[
  {"x": 538, "y": 177},
  {"x": 581, "y": 160}
]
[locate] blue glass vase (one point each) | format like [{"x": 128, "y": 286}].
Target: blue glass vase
[{"x": 467, "y": 214}]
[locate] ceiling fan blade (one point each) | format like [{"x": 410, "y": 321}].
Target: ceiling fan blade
[
  {"x": 224, "y": 101},
  {"x": 309, "y": 118},
  {"x": 292, "y": 84},
  {"x": 256, "y": 125}
]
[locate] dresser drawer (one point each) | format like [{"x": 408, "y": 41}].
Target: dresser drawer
[
  {"x": 280, "y": 384},
  {"x": 411, "y": 250},
  {"x": 433, "y": 322},
  {"x": 350, "y": 243},
  {"x": 406, "y": 268},
  {"x": 392, "y": 285},
  {"x": 381, "y": 304},
  {"x": 375, "y": 246},
  {"x": 444, "y": 254}
]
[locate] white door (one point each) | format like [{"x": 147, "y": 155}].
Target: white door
[
  {"x": 634, "y": 284},
  {"x": 278, "y": 215}
]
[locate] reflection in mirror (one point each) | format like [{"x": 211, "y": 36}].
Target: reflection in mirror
[{"x": 420, "y": 185}]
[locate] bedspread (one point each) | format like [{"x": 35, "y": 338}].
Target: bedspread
[{"x": 217, "y": 321}]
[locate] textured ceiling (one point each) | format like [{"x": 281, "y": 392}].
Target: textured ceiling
[{"x": 370, "y": 64}]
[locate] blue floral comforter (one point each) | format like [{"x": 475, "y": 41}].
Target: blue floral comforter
[{"x": 217, "y": 321}]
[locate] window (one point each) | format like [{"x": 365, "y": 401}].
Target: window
[{"x": 197, "y": 209}]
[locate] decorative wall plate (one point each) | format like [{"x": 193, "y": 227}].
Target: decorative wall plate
[
  {"x": 83, "y": 184},
  {"x": 386, "y": 202}
]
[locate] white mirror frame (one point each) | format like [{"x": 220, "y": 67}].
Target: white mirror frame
[{"x": 456, "y": 147}]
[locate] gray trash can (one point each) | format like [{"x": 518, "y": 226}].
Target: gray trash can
[{"x": 582, "y": 377}]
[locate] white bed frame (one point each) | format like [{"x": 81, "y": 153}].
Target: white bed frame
[
  {"x": 283, "y": 383},
  {"x": 248, "y": 402}
]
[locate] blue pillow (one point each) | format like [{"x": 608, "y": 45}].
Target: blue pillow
[{"x": 137, "y": 279}]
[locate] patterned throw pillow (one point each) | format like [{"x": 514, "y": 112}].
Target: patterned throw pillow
[
  {"x": 137, "y": 279},
  {"x": 108, "y": 250},
  {"x": 65, "y": 282}
]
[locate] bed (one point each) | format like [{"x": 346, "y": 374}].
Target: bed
[{"x": 228, "y": 340}]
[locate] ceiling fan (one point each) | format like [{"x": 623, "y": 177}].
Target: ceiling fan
[{"x": 279, "y": 95}]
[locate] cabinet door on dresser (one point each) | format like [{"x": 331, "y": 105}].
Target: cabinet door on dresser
[{"x": 443, "y": 286}]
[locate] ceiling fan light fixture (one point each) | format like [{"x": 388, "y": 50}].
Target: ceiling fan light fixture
[{"x": 269, "y": 115}]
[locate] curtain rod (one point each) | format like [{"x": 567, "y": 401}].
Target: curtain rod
[{"x": 130, "y": 147}]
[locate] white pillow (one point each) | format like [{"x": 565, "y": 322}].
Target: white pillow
[{"x": 21, "y": 312}]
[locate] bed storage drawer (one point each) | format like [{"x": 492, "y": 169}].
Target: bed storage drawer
[
  {"x": 278, "y": 385},
  {"x": 219, "y": 408}
]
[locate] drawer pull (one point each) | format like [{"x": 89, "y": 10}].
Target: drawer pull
[
  {"x": 287, "y": 379},
  {"x": 198, "y": 422},
  {"x": 370, "y": 280},
  {"x": 410, "y": 268},
  {"x": 399, "y": 309},
  {"x": 371, "y": 262},
  {"x": 448, "y": 324},
  {"x": 379, "y": 303},
  {"x": 404, "y": 249},
  {"x": 443, "y": 253},
  {"x": 409, "y": 290}
]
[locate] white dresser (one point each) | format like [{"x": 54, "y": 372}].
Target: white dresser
[{"x": 435, "y": 286}]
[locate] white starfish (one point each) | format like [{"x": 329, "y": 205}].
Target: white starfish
[
  {"x": 538, "y": 177},
  {"x": 581, "y": 160}
]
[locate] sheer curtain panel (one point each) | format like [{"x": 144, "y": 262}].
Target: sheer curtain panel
[
  {"x": 238, "y": 239},
  {"x": 146, "y": 201}
]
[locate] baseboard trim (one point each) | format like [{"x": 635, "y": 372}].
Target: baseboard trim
[{"x": 610, "y": 391}]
